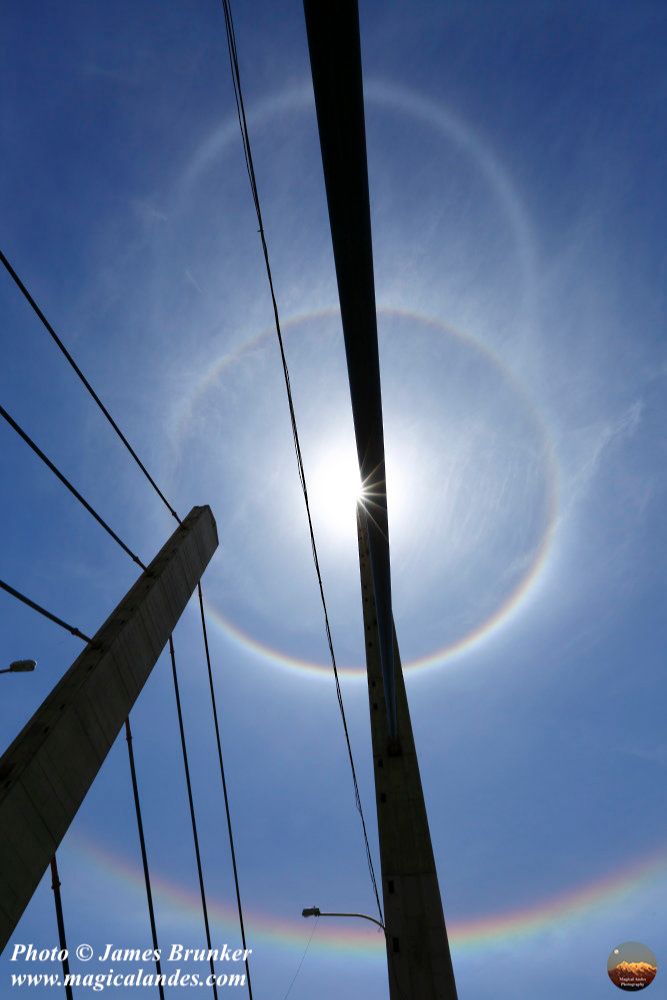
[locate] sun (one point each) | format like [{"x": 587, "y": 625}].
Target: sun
[{"x": 335, "y": 489}]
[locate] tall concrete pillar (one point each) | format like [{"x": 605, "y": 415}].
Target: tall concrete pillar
[
  {"x": 419, "y": 961},
  {"x": 47, "y": 771}
]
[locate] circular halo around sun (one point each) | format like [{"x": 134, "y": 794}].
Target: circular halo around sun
[{"x": 483, "y": 490}]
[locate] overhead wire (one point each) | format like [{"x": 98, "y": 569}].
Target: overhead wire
[
  {"x": 54, "y": 336},
  {"x": 305, "y": 952},
  {"x": 247, "y": 152}
]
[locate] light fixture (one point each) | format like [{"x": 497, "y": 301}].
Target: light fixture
[{"x": 19, "y": 667}]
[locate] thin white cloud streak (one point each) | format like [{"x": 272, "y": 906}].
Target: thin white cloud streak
[{"x": 594, "y": 447}]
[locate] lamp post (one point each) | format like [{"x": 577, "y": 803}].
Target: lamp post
[
  {"x": 314, "y": 911},
  {"x": 19, "y": 667}
]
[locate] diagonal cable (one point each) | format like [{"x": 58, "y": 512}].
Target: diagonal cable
[
  {"x": 195, "y": 835},
  {"x": 65, "y": 481},
  {"x": 91, "y": 510},
  {"x": 135, "y": 789},
  {"x": 224, "y": 789},
  {"x": 47, "y": 325},
  {"x": 60, "y": 920},
  {"x": 54, "y": 336},
  {"x": 144, "y": 856},
  {"x": 43, "y": 611}
]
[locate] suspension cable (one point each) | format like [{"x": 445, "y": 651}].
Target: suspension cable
[
  {"x": 42, "y": 611},
  {"x": 136, "y": 559},
  {"x": 224, "y": 789},
  {"x": 195, "y": 836},
  {"x": 22, "y": 287},
  {"x": 65, "y": 481},
  {"x": 135, "y": 789},
  {"x": 54, "y": 336},
  {"x": 62, "y": 939},
  {"x": 247, "y": 152},
  {"x": 144, "y": 856}
]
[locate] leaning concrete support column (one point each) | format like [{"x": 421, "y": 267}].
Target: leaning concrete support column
[
  {"x": 420, "y": 964},
  {"x": 47, "y": 771}
]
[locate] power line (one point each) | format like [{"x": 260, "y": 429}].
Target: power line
[
  {"x": 298, "y": 968},
  {"x": 247, "y": 152}
]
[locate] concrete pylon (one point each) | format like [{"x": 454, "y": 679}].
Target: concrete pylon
[
  {"x": 418, "y": 956},
  {"x": 48, "y": 769}
]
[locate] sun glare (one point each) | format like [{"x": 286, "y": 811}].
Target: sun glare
[{"x": 335, "y": 489}]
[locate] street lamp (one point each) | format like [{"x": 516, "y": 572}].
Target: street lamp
[
  {"x": 19, "y": 667},
  {"x": 314, "y": 911}
]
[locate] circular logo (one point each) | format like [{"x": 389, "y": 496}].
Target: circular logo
[{"x": 632, "y": 966}]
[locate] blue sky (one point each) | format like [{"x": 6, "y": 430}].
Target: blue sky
[{"x": 518, "y": 204}]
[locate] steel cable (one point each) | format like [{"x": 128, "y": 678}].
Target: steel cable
[
  {"x": 47, "y": 325},
  {"x": 245, "y": 136}
]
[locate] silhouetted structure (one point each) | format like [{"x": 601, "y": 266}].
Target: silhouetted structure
[
  {"x": 48, "y": 769},
  {"x": 420, "y": 966}
]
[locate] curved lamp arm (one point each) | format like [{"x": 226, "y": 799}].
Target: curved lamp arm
[{"x": 314, "y": 911}]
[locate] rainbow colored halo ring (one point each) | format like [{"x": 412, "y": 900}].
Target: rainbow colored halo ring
[
  {"x": 510, "y": 603},
  {"x": 468, "y": 935}
]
